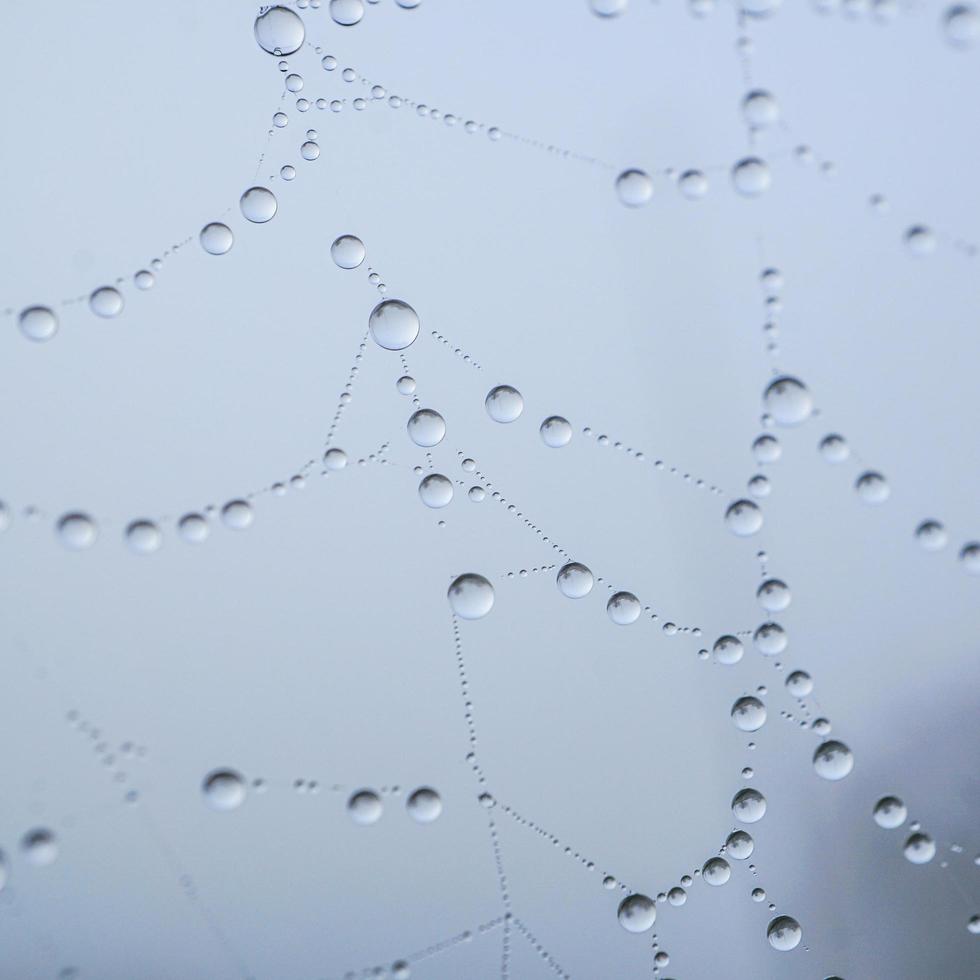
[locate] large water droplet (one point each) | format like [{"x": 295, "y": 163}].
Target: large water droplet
[
  {"x": 920, "y": 848},
  {"x": 799, "y": 684},
  {"x": 575, "y": 580},
  {"x": 774, "y": 595},
  {"x": 346, "y": 12},
  {"x": 504, "y": 404},
  {"x": 728, "y": 650},
  {"x": 788, "y": 401},
  {"x": 739, "y": 845},
  {"x": 623, "y": 608},
  {"x": 365, "y": 807},
  {"x": 259, "y": 205},
  {"x": 833, "y": 760},
  {"x": 193, "y": 528},
  {"x": 279, "y": 31},
  {"x": 634, "y": 187},
  {"x": 106, "y": 301},
  {"x": 555, "y": 432},
  {"x": 784, "y": 933},
  {"x": 77, "y": 531},
  {"x": 335, "y": 459},
  {"x": 143, "y": 537},
  {"x": 748, "y": 806},
  {"x": 770, "y": 639},
  {"x": 224, "y": 789},
  {"x": 394, "y": 324},
  {"x": 970, "y": 557},
  {"x": 637, "y": 913},
  {"x": 716, "y": 871},
  {"x": 425, "y": 804},
  {"x": 693, "y": 184},
  {"x": 749, "y": 714},
  {"x": 426, "y": 428},
  {"x": 237, "y": 514},
  {"x": 436, "y": 490},
  {"x": 216, "y": 238},
  {"x": 348, "y": 251},
  {"x": 920, "y": 240},
  {"x": 834, "y": 448},
  {"x": 751, "y": 176},
  {"x": 38, "y": 323},
  {"x": 890, "y": 812},
  {"x": 743, "y": 518},
  {"x": 471, "y": 596}
]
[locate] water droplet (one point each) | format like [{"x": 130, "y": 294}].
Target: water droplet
[
  {"x": 426, "y": 428},
  {"x": 766, "y": 449},
  {"x": 920, "y": 240},
  {"x": 890, "y": 812},
  {"x": 931, "y": 535},
  {"x": 634, "y": 187},
  {"x": 216, "y": 238},
  {"x": 405, "y": 385},
  {"x": 970, "y": 557},
  {"x": 279, "y": 31},
  {"x": 224, "y": 789},
  {"x": 637, "y": 913},
  {"x": 425, "y": 805},
  {"x": 743, "y": 518},
  {"x": 961, "y": 25},
  {"x": 348, "y": 251},
  {"x": 920, "y": 848},
  {"x": 799, "y": 683},
  {"x": 436, "y": 490},
  {"x": 739, "y": 845},
  {"x": 40, "y": 847},
  {"x": 749, "y": 714},
  {"x": 365, "y": 807},
  {"x": 309, "y": 150},
  {"x": 294, "y": 82},
  {"x": 504, "y": 404},
  {"x": 833, "y": 760},
  {"x": 872, "y": 488},
  {"x": 751, "y": 177},
  {"x": 287, "y": 171},
  {"x": 677, "y": 896},
  {"x": 471, "y": 596},
  {"x": 748, "y": 806},
  {"x": 193, "y": 528},
  {"x": 770, "y": 639},
  {"x": 144, "y": 279},
  {"x": 143, "y": 537},
  {"x": 394, "y": 324},
  {"x": 759, "y": 486},
  {"x": 774, "y": 595},
  {"x": 476, "y": 494},
  {"x": 335, "y": 459},
  {"x": 237, "y": 514},
  {"x": 788, "y": 401},
  {"x": 834, "y": 448},
  {"x": 784, "y": 933},
  {"x": 280, "y": 120},
  {"x": 555, "y": 432},
  {"x": 575, "y": 580},
  {"x": 623, "y": 608},
  {"x": 77, "y": 531},
  {"x": 329, "y": 62},
  {"x": 760, "y": 109},
  {"x": 259, "y": 205},
  {"x": 716, "y": 871},
  {"x": 38, "y": 323},
  {"x": 758, "y": 894},
  {"x": 973, "y": 925},
  {"x": 693, "y": 184},
  {"x": 608, "y": 8},
  {"x": 728, "y": 650},
  {"x": 106, "y": 301},
  {"x": 347, "y": 12}
]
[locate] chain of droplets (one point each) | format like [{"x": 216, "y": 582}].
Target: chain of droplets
[
  {"x": 345, "y": 395},
  {"x": 458, "y": 351},
  {"x": 540, "y": 949}
]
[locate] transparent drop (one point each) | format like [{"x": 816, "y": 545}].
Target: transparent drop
[
  {"x": 774, "y": 595},
  {"x": 872, "y": 488},
  {"x": 426, "y": 428},
  {"x": 834, "y": 448},
  {"x": 471, "y": 596},
  {"x": 259, "y": 205},
  {"x": 335, "y": 459},
  {"x": 970, "y": 557},
  {"x": 365, "y": 807},
  {"x": 144, "y": 279},
  {"x": 743, "y": 518},
  {"x": 504, "y": 404},
  {"x": 348, "y": 251},
  {"x": 425, "y": 805},
  {"x": 890, "y": 812},
  {"x": 237, "y": 514},
  {"x": 766, "y": 449},
  {"x": 748, "y": 806},
  {"x": 40, "y": 847},
  {"x": 405, "y": 385},
  {"x": 77, "y": 531},
  {"x": 476, "y": 494},
  {"x": 920, "y": 848},
  {"x": 760, "y": 109},
  {"x": 294, "y": 82},
  {"x": 751, "y": 177},
  {"x": 637, "y": 913},
  {"x": 606, "y": 8},
  {"x": 770, "y": 639},
  {"x": 961, "y": 25},
  {"x": 634, "y": 187},
  {"x": 728, "y": 650},
  {"x": 143, "y": 537},
  {"x": 106, "y": 301},
  {"x": 309, "y": 150},
  {"x": 224, "y": 789},
  {"x": 931, "y": 535},
  {"x": 216, "y": 238},
  {"x": 799, "y": 683},
  {"x": 436, "y": 490},
  {"x": 920, "y": 241},
  {"x": 623, "y": 608},
  {"x": 833, "y": 760},
  {"x": 784, "y": 933},
  {"x": 716, "y": 871},
  {"x": 788, "y": 401},
  {"x": 739, "y": 845},
  {"x": 346, "y": 12},
  {"x": 279, "y": 31},
  {"x": 287, "y": 171},
  {"x": 693, "y": 184},
  {"x": 193, "y": 528},
  {"x": 677, "y": 896},
  {"x": 555, "y": 432},
  {"x": 394, "y": 324},
  {"x": 280, "y": 120},
  {"x": 749, "y": 714},
  {"x": 575, "y": 580},
  {"x": 38, "y": 323}
]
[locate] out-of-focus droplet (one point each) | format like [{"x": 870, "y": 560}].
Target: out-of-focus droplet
[
  {"x": 623, "y": 608},
  {"x": 728, "y": 650},
  {"x": 920, "y": 848},
  {"x": 575, "y": 580},
  {"x": 608, "y": 8},
  {"x": 237, "y": 514},
  {"x": 348, "y": 251},
  {"x": 973, "y": 925},
  {"x": 749, "y": 714},
  {"x": 77, "y": 531},
  {"x": 890, "y": 812},
  {"x": 931, "y": 535},
  {"x": 872, "y": 488},
  {"x": 106, "y": 301},
  {"x": 347, "y": 12},
  {"x": 143, "y": 537},
  {"x": 634, "y": 187},
  {"x": 961, "y": 25},
  {"x": 425, "y": 804},
  {"x": 394, "y": 324},
  {"x": 970, "y": 557},
  {"x": 555, "y": 432},
  {"x": 426, "y": 428},
  {"x": 743, "y": 518},
  {"x": 193, "y": 528},
  {"x": 716, "y": 871},
  {"x": 335, "y": 459},
  {"x": 799, "y": 683},
  {"x": 365, "y": 807},
  {"x": 259, "y": 205},
  {"x": 834, "y": 448},
  {"x": 224, "y": 789},
  {"x": 920, "y": 240},
  {"x": 38, "y": 323},
  {"x": 39, "y": 846},
  {"x": 833, "y": 760},
  {"x": 144, "y": 279},
  {"x": 788, "y": 400},
  {"x": 637, "y": 913},
  {"x": 759, "y": 486},
  {"x": 766, "y": 449},
  {"x": 748, "y": 806},
  {"x": 760, "y": 109},
  {"x": 693, "y": 184},
  {"x": 216, "y": 238},
  {"x": 784, "y": 933},
  {"x": 774, "y": 595},
  {"x": 471, "y": 596},
  {"x": 504, "y": 404},
  {"x": 751, "y": 177},
  {"x": 436, "y": 490},
  {"x": 279, "y": 31}
]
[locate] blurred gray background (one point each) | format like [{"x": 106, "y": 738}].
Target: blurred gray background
[{"x": 318, "y": 644}]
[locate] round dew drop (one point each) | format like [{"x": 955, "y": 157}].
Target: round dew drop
[
  {"x": 347, "y": 13},
  {"x": 575, "y": 580},
  {"x": 259, "y": 205},
  {"x": 237, "y": 514},
  {"x": 833, "y": 760},
  {"x": 784, "y": 933},
  {"x": 504, "y": 404},
  {"x": 426, "y": 428},
  {"x": 728, "y": 650},
  {"x": 751, "y": 177},
  {"x": 471, "y": 596},
  {"x": 216, "y": 238},
  {"x": 424, "y": 805},
  {"x": 348, "y": 251},
  {"x": 436, "y": 490},
  {"x": 748, "y": 806},
  {"x": 555, "y": 432},
  {"x": 279, "y": 31},
  {"x": 920, "y": 848},
  {"x": 106, "y": 302},
  {"x": 634, "y": 187},
  {"x": 38, "y": 323},
  {"x": 890, "y": 812},
  {"x": 40, "y": 847},
  {"x": 637, "y": 913},
  {"x": 77, "y": 531},
  {"x": 335, "y": 459},
  {"x": 394, "y": 325},
  {"x": 224, "y": 789},
  {"x": 623, "y": 608},
  {"x": 143, "y": 537},
  {"x": 788, "y": 401},
  {"x": 365, "y": 807},
  {"x": 743, "y": 518}
]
